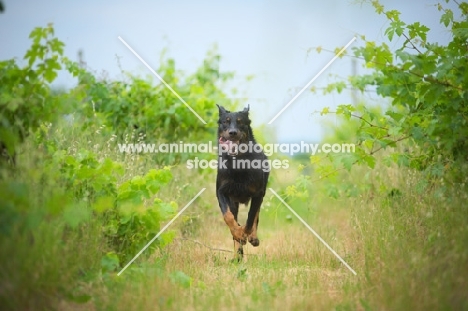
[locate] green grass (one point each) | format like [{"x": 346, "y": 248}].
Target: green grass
[{"x": 408, "y": 247}]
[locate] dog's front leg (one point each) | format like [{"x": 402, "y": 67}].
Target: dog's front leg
[
  {"x": 252, "y": 221},
  {"x": 236, "y": 230}
]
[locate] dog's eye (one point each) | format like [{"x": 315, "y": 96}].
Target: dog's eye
[{"x": 239, "y": 121}]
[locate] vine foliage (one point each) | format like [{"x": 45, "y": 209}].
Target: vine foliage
[{"x": 426, "y": 84}]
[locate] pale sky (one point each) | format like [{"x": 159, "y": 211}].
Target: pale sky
[{"x": 267, "y": 39}]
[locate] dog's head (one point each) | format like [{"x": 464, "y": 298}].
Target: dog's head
[{"x": 233, "y": 129}]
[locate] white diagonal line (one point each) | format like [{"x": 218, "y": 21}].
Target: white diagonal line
[
  {"x": 160, "y": 232},
  {"x": 313, "y": 79},
  {"x": 161, "y": 79},
  {"x": 312, "y": 230}
]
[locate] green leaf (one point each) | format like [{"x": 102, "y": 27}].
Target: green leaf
[
  {"x": 447, "y": 17},
  {"x": 418, "y": 30},
  {"x": 56, "y": 46},
  {"x": 402, "y": 160},
  {"x": 348, "y": 160},
  {"x": 369, "y": 160},
  {"x": 50, "y": 75},
  {"x": 166, "y": 210},
  {"x": 379, "y": 8},
  {"x": 166, "y": 238},
  {"x": 394, "y": 130},
  {"x": 390, "y": 32},
  {"x": 398, "y": 27},
  {"x": 345, "y": 110},
  {"x": 393, "y": 15},
  {"x": 126, "y": 214},
  {"x": 394, "y": 115},
  {"x": 417, "y": 133},
  {"x": 85, "y": 172},
  {"x": 333, "y": 191},
  {"x": 37, "y": 34},
  {"x": 110, "y": 262},
  {"x": 103, "y": 204}
]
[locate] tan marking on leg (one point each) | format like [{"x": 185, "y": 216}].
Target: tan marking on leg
[{"x": 236, "y": 230}]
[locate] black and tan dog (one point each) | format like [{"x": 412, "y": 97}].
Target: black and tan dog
[{"x": 242, "y": 176}]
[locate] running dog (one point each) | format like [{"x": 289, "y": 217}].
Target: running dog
[{"x": 240, "y": 178}]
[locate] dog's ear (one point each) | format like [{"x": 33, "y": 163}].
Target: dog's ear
[
  {"x": 246, "y": 110},
  {"x": 222, "y": 110}
]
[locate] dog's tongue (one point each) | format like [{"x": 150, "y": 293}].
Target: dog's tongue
[
  {"x": 223, "y": 141},
  {"x": 229, "y": 145}
]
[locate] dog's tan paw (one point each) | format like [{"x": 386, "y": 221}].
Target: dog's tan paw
[{"x": 239, "y": 235}]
